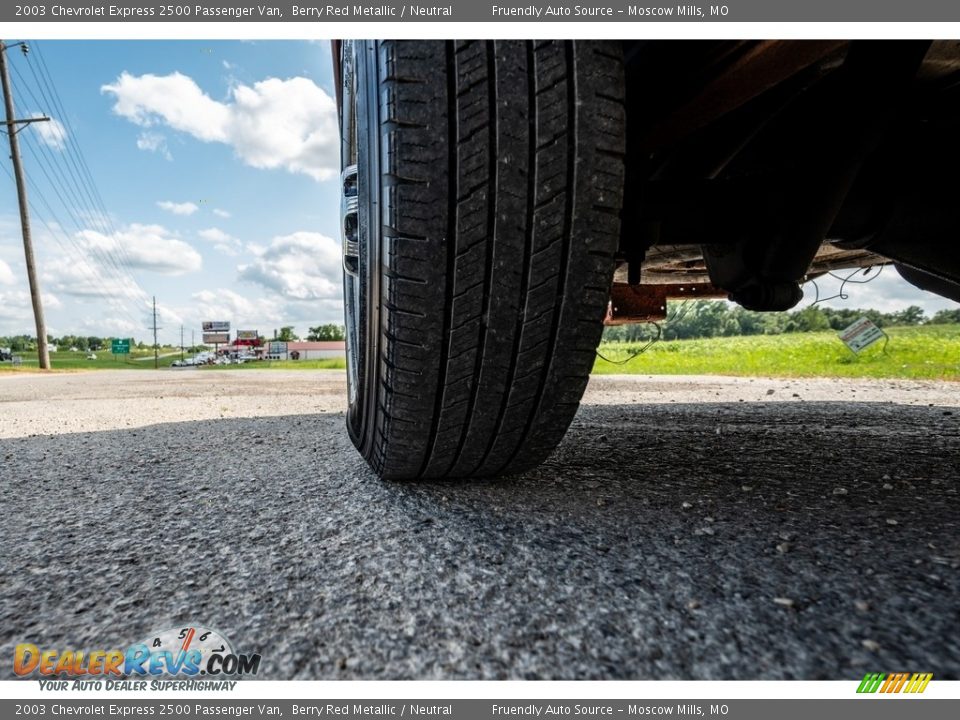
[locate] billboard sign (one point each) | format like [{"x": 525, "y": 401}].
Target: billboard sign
[
  {"x": 216, "y": 326},
  {"x": 247, "y": 334},
  {"x": 278, "y": 348},
  {"x": 216, "y": 338}
]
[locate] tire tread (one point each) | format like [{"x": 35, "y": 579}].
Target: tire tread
[{"x": 505, "y": 173}]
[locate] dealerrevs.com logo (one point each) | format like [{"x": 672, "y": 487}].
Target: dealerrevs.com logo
[{"x": 189, "y": 651}]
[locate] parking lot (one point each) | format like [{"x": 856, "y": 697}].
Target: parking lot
[{"x": 705, "y": 528}]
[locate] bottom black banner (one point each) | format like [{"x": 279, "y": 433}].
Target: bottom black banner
[{"x": 873, "y": 707}]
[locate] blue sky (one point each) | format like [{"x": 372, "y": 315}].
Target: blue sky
[{"x": 216, "y": 163}]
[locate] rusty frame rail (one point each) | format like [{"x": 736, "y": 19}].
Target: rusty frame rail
[{"x": 646, "y": 303}]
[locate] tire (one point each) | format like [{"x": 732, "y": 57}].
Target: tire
[{"x": 482, "y": 193}]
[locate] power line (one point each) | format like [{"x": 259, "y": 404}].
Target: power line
[
  {"x": 65, "y": 176},
  {"x": 106, "y": 259},
  {"x": 122, "y": 283},
  {"x": 77, "y": 149},
  {"x": 83, "y": 191},
  {"x": 73, "y": 184},
  {"x": 79, "y": 257},
  {"x": 53, "y": 101},
  {"x": 67, "y": 182}
]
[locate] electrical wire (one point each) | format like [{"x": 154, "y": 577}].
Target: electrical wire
[
  {"x": 48, "y": 90},
  {"x": 80, "y": 192},
  {"x": 638, "y": 352},
  {"x": 79, "y": 257},
  {"x": 73, "y": 184},
  {"x": 110, "y": 269},
  {"x": 844, "y": 281},
  {"x": 678, "y": 315}
]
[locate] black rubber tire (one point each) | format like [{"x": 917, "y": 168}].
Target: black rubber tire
[{"x": 490, "y": 234}]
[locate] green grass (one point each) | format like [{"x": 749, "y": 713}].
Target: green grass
[
  {"x": 924, "y": 352},
  {"x": 66, "y": 361}
]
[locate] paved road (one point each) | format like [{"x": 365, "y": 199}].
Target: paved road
[{"x": 694, "y": 528}]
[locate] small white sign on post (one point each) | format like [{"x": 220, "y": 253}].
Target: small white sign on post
[{"x": 861, "y": 334}]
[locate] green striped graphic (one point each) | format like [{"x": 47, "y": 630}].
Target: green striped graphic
[{"x": 871, "y": 682}]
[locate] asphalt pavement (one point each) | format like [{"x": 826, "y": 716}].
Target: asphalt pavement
[{"x": 719, "y": 539}]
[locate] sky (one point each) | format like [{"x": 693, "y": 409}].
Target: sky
[
  {"x": 214, "y": 170},
  {"x": 214, "y": 166}
]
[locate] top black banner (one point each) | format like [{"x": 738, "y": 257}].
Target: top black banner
[{"x": 897, "y": 11}]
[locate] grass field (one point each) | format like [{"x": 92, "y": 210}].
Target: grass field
[
  {"x": 66, "y": 361},
  {"x": 922, "y": 352}
]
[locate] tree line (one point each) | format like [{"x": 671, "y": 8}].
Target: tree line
[
  {"x": 24, "y": 343},
  {"x": 711, "y": 318},
  {"x": 93, "y": 343}
]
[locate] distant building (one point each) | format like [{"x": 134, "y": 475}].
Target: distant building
[{"x": 320, "y": 350}]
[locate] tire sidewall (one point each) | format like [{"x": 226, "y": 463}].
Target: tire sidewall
[{"x": 362, "y": 319}]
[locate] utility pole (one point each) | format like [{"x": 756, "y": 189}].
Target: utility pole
[
  {"x": 156, "y": 348},
  {"x": 181, "y": 343},
  {"x": 43, "y": 354}
]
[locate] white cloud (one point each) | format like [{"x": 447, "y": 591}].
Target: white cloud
[
  {"x": 109, "y": 325},
  {"x": 223, "y": 242},
  {"x": 175, "y": 100},
  {"x": 215, "y": 235},
  {"x": 6, "y": 274},
  {"x": 51, "y": 132},
  {"x": 227, "y": 304},
  {"x": 290, "y": 124},
  {"x": 86, "y": 280},
  {"x": 221, "y": 213},
  {"x": 169, "y": 316},
  {"x": 888, "y": 292},
  {"x": 301, "y": 266},
  {"x": 16, "y": 309},
  {"x": 154, "y": 142},
  {"x": 264, "y": 313},
  {"x": 183, "y": 208},
  {"x": 145, "y": 247}
]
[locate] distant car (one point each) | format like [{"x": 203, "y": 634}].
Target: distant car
[{"x": 91, "y": 356}]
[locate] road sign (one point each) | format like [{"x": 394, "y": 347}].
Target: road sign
[
  {"x": 120, "y": 347},
  {"x": 860, "y": 334},
  {"x": 216, "y": 326}
]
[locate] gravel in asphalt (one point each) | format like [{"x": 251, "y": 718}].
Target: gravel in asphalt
[{"x": 696, "y": 528}]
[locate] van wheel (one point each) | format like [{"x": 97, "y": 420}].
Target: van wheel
[{"x": 481, "y": 193}]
